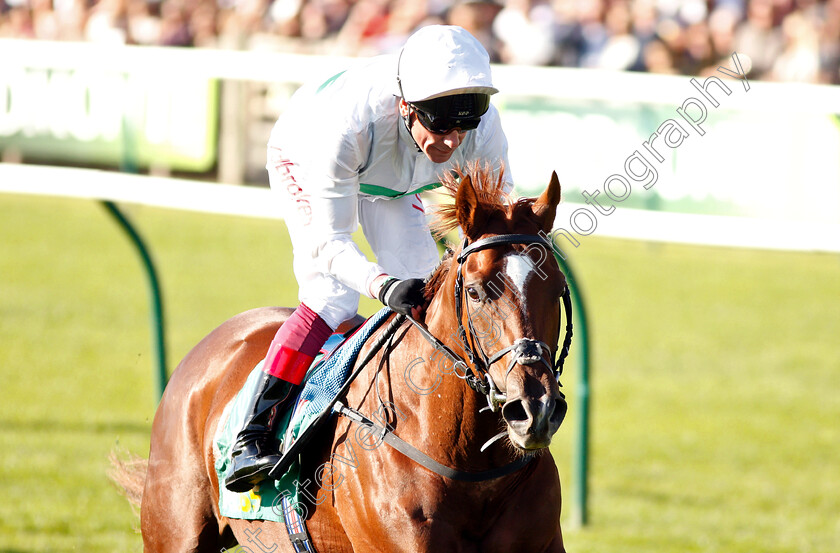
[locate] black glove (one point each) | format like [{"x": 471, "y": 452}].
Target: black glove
[{"x": 402, "y": 295}]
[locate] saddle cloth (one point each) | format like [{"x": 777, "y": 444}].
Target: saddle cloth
[{"x": 323, "y": 381}]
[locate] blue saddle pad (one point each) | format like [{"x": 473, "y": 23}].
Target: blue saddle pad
[{"x": 321, "y": 385}]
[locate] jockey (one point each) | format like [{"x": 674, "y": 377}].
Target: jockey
[{"x": 355, "y": 149}]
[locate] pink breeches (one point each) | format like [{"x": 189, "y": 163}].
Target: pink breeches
[{"x": 296, "y": 344}]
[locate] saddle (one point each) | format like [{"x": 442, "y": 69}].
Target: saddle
[{"x": 317, "y": 395}]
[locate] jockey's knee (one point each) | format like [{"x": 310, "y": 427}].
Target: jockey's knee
[{"x": 334, "y": 311}]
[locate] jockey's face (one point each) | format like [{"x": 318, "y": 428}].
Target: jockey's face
[{"x": 437, "y": 147}]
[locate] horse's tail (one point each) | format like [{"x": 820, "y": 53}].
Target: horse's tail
[{"x": 128, "y": 472}]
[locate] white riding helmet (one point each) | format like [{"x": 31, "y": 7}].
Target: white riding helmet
[{"x": 443, "y": 60}]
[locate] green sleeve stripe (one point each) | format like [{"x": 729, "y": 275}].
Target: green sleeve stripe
[
  {"x": 373, "y": 190},
  {"x": 329, "y": 81}
]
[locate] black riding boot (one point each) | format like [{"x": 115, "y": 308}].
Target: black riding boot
[{"x": 253, "y": 455}]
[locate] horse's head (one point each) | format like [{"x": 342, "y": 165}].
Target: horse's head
[{"x": 507, "y": 289}]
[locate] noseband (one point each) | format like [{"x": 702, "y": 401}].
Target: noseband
[{"x": 524, "y": 351}]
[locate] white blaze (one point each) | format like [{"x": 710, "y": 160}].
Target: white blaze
[{"x": 518, "y": 268}]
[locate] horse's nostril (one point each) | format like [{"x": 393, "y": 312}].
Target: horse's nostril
[
  {"x": 559, "y": 414},
  {"x": 514, "y": 411}
]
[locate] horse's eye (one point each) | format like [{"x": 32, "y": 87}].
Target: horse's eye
[{"x": 473, "y": 294}]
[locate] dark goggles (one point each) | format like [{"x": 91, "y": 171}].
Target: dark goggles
[{"x": 460, "y": 111}]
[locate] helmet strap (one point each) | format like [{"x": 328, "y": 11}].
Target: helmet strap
[
  {"x": 406, "y": 118},
  {"x": 407, "y": 123}
]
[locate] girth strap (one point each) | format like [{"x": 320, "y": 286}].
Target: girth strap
[
  {"x": 424, "y": 460},
  {"x": 296, "y": 528}
]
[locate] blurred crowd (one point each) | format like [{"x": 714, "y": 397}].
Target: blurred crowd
[{"x": 778, "y": 40}]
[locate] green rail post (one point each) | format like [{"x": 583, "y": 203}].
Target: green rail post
[
  {"x": 156, "y": 313},
  {"x": 129, "y": 164},
  {"x": 580, "y": 515}
]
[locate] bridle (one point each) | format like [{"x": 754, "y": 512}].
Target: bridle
[{"x": 475, "y": 370}]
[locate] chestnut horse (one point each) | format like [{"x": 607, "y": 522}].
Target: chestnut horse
[{"x": 482, "y": 361}]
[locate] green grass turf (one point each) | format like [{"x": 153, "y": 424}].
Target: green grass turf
[{"x": 715, "y": 378}]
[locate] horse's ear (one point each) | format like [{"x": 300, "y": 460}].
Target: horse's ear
[
  {"x": 471, "y": 214},
  {"x": 545, "y": 207}
]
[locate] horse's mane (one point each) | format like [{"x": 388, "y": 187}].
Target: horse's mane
[
  {"x": 438, "y": 276},
  {"x": 489, "y": 186}
]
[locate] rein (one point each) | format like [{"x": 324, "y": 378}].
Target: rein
[{"x": 383, "y": 433}]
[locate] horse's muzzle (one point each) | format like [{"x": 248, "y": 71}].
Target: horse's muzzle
[{"x": 533, "y": 422}]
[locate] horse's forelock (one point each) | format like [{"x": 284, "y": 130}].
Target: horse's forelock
[{"x": 489, "y": 187}]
